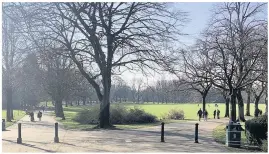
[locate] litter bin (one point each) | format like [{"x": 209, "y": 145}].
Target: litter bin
[
  {"x": 3, "y": 124},
  {"x": 233, "y": 135}
]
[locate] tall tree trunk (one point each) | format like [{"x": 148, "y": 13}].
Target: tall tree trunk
[
  {"x": 9, "y": 102},
  {"x": 84, "y": 100},
  {"x": 256, "y": 102},
  {"x": 248, "y": 104},
  {"x": 233, "y": 105},
  {"x": 71, "y": 103},
  {"x": 104, "y": 105},
  {"x": 66, "y": 103},
  {"x": 227, "y": 102},
  {"x": 46, "y": 104},
  {"x": 204, "y": 103},
  {"x": 59, "y": 108},
  {"x": 241, "y": 115},
  {"x": 266, "y": 104}
]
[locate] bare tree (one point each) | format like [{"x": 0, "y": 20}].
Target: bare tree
[
  {"x": 14, "y": 49},
  {"x": 232, "y": 40}
]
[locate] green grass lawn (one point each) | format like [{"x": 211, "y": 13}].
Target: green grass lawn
[
  {"x": 18, "y": 114},
  {"x": 158, "y": 110},
  {"x": 190, "y": 110}
]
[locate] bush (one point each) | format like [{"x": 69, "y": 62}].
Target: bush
[
  {"x": 256, "y": 130},
  {"x": 176, "y": 114},
  {"x": 264, "y": 146},
  {"x": 118, "y": 115},
  {"x": 87, "y": 116}
]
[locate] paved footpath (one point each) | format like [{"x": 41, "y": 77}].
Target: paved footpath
[{"x": 179, "y": 137}]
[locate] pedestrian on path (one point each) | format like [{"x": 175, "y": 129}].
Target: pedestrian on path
[
  {"x": 199, "y": 113},
  {"x": 32, "y": 118},
  {"x": 218, "y": 113},
  {"x": 205, "y": 115},
  {"x": 39, "y": 115},
  {"x": 214, "y": 114}
]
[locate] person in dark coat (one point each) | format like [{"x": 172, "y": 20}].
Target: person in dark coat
[
  {"x": 199, "y": 113},
  {"x": 39, "y": 115},
  {"x": 218, "y": 113},
  {"x": 214, "y": 114},
  {"x": 32, "y": 118}
]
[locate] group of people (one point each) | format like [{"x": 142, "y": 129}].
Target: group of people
[
  {"x": 204, "y": 113},
  {"x": 32, "y": 117}
]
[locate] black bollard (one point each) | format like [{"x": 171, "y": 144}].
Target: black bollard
[
  {"x": 56, "y": 138},
  {"x": 196, "y": 133},
  {"x": 162, "y": 132},
  {"x": 19, "y": 140}
]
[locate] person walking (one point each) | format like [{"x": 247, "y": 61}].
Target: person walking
[
  {"x": 32, "y": 118},
  {"x": 218, "y": 113},
  {"x": 214, "y": 114},
  {"x": 199, "y": 113},
  {"x": 39, "y": 115},
  {"x": 205, "y": 115}
]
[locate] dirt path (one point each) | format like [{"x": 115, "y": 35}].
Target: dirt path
[{"x": 179, "y": 137}]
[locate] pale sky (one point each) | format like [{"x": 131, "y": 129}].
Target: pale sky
[{"x": 198, "y": 14}]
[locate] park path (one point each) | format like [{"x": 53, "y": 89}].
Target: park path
[{"x": 179, "y": 137}]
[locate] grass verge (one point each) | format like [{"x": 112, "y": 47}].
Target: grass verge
[
  {"x": 219, "y": 134},
  {"x": 69, "y": 123},
  {"x": 18, "y": 114}
]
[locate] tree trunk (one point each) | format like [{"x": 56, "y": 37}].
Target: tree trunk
[
  {"x": 204, "y": 105},
  {"x": 248, "y": 104},
  {"x": 59, "y": 108},
  {"x": 11, "y": 112},
  {"x": 233, "y": 105},
  {"x": 105, "y": 104},
  {"x": 266, "y": 104},
  {"x": 71, "y": 103},
  {"x": 66, "y": 103},
  {"x": 46, "y": 104},
  {"x": 84, "y": 100},
  {"x": 241, "y": 115},
  {"x": 9, "y": 102},
  {"x": 257, "y": 99},
  {"x": 227, "y": 102}
]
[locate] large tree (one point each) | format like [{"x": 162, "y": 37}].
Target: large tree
[{"x": 105, "y": 38}]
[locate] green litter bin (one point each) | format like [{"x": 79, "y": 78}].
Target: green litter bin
[{"x": 233, "y": 135}]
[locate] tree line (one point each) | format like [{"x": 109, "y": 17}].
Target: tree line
[{"x": 72, "y": 51}]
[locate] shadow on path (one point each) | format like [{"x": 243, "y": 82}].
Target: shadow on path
[{"x": 30, "y": 145}]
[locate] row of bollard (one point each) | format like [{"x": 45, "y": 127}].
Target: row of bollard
[
  {"x": 195, "y": 134},
  {"x": 56, "y": 137}
]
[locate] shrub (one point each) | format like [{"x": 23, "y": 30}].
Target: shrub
[
  {"x": 137, "y": 115},
  {"x": 87, "y": 116},
  {"x": 118, "y": 115},
  {"x": 176, "y": 114},
  {"x": 256, "y": 130},
  {"x": 264, "y": 146}
]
